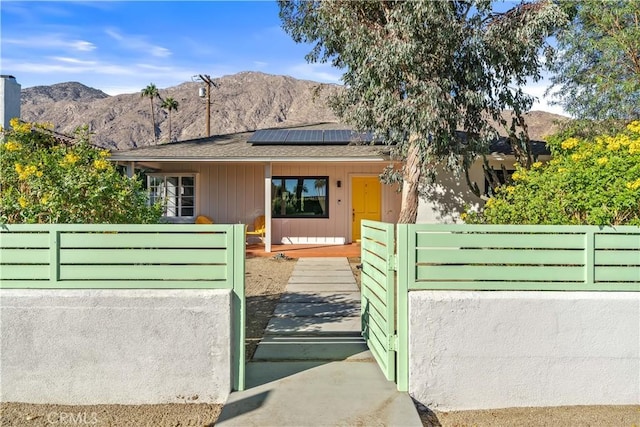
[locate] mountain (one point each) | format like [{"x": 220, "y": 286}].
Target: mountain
[{"x": 240, "y": 102}]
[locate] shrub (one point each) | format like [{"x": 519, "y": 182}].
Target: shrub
[
  {"x": 590, "y": 180},
  {"x": 43, "y": 181}
]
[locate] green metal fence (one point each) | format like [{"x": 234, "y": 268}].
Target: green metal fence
[
  {"x": 504, "y": 258},
  {"x": 183, "y": 256},
  {"x": 378, "y": 299}
]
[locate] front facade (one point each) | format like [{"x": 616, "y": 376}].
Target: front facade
[{"x": 309, "y": 193}]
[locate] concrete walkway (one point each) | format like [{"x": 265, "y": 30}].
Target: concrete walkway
[{"x": 312, "y": 367}]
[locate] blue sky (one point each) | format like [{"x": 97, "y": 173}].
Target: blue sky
[{"x": 121, "y": 47}]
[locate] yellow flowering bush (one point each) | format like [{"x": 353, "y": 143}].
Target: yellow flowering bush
[
  {"x": 590, "y": 180},
  {"x": 44, "y": 182}
]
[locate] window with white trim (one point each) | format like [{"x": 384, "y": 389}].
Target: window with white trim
[{"x": 176, "y": 192}]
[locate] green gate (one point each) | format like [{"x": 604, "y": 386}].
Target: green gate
[{"x": 378, "y": 293}]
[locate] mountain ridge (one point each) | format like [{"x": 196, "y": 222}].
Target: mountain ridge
[{"x": 241, "y": 102}]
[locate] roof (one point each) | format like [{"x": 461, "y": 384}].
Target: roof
[{"x": 238, "y": 147}]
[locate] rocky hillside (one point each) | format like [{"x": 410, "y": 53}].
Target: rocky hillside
[{"x": 241, "y": 102}]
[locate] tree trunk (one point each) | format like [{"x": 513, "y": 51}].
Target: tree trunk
[
  {"x": 410, "y": 183},
  {"x": 153, "y": 122}
]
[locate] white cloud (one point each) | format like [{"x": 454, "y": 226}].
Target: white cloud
[
  {"x": 50, "y": 41},
  {"x": 260, "y": 64},
  {"x": 73, "y": 61},
  {"x": 138, "y": 44},
  {"x": 317, "y": 72}
]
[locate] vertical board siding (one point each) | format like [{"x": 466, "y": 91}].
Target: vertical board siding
[
  {"x": 377, "y": 286},
  {"x": 524, "y": 257}
]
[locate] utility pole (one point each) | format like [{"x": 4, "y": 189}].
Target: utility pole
[{"x": 207, "y": 79}]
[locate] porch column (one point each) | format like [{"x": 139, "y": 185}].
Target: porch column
[
  {"x": 267, "y": 207},
  {"x": 131, "y": 169}
]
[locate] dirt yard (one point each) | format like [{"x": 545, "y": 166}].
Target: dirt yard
[{"x": 266, "y": 279}]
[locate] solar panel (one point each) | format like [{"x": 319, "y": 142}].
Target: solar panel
[
  {"x": 304, "y": 137},
  {"x": 333, "y": 136},
  {"x": 309, "y": 137},
  {"x": 269, "y": 136}
]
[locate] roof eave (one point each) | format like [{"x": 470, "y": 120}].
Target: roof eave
[{"x": 248, "y": 159}]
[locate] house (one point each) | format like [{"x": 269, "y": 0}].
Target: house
[{"x": 314, "y": 184}]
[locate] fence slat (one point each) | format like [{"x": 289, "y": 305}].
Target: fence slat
[
  {"x": 142, "y": 272},
  {"x": 617, "y": 274},
  {"x": 143, "y": 240},
  {"x": 143, "y": 256},
  {"x": 18, "y": 272},
  {"x": 21, "y": 256},
  {"x": 614, "y": 257},
  {"x": 618, "y": 241},
  {"x": 24, "y": 240},
  {"x": 507, "y": 273},
  {"x": 522, "y": 240},
  {"x": 499, "y": 256}
]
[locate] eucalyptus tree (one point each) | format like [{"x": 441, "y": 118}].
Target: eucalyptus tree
[
  {"x": 170, "y": 104},
  {"x": 151, "y": 92},
  {"x": 416, "y": 72},
  {"x": 597, "y": 71}
]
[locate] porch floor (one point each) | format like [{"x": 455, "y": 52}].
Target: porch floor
[{"x": 351, "y": 250}]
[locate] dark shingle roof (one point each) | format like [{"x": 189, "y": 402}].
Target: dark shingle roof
[{"x": 235, "y": 147}]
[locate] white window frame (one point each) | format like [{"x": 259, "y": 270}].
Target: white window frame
[{"x": 178, "y": 175}]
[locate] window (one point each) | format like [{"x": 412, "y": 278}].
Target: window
[
  {"x": 300, "y": 197},
  {"x": 502, "y": 179},
  {"x": 177, "y": 193}
]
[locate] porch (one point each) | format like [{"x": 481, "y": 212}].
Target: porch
[{"x": 350, "y": 250}]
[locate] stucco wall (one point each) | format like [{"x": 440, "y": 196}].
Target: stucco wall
[
  {"x": 447, "y": 197},
  {"x": 480, "y": 350},
  {"x": 115, "y": 346}
]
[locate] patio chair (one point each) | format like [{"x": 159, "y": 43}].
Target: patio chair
[
  {"x": 203, "y": 219},
  {"x": 259, "y": 228}
]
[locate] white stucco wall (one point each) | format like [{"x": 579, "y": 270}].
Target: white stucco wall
[
  {"x": 481, "y": 350},
  {"x": 115, "y": 346},
  {"x": 447, "y": 197}
]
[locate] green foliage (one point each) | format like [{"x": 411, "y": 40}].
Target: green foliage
[
  {"x": 416, "y": 72},
  {"x": 593, "y": 180},
  {"x": 597, "y": 72},
  {"x": 44, "y": 182}
]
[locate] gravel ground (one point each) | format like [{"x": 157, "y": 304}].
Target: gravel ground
[{"x": 266, "y": 279}]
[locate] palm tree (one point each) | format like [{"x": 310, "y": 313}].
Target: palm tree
[
  {"x": 151, "y": 92},
  {"x": 170, "y": 104}
]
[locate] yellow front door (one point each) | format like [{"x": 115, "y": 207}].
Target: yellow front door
[{"x": 365, "y": 202}]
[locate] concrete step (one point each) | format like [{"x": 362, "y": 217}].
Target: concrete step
[
  {"x": 321, "y": 297},
  {"x": 314, "y": 325},
  {"x": 279, "y": 348},
  {"x": 321, "y": 287},
  {"x": 305, "y": 309}
]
